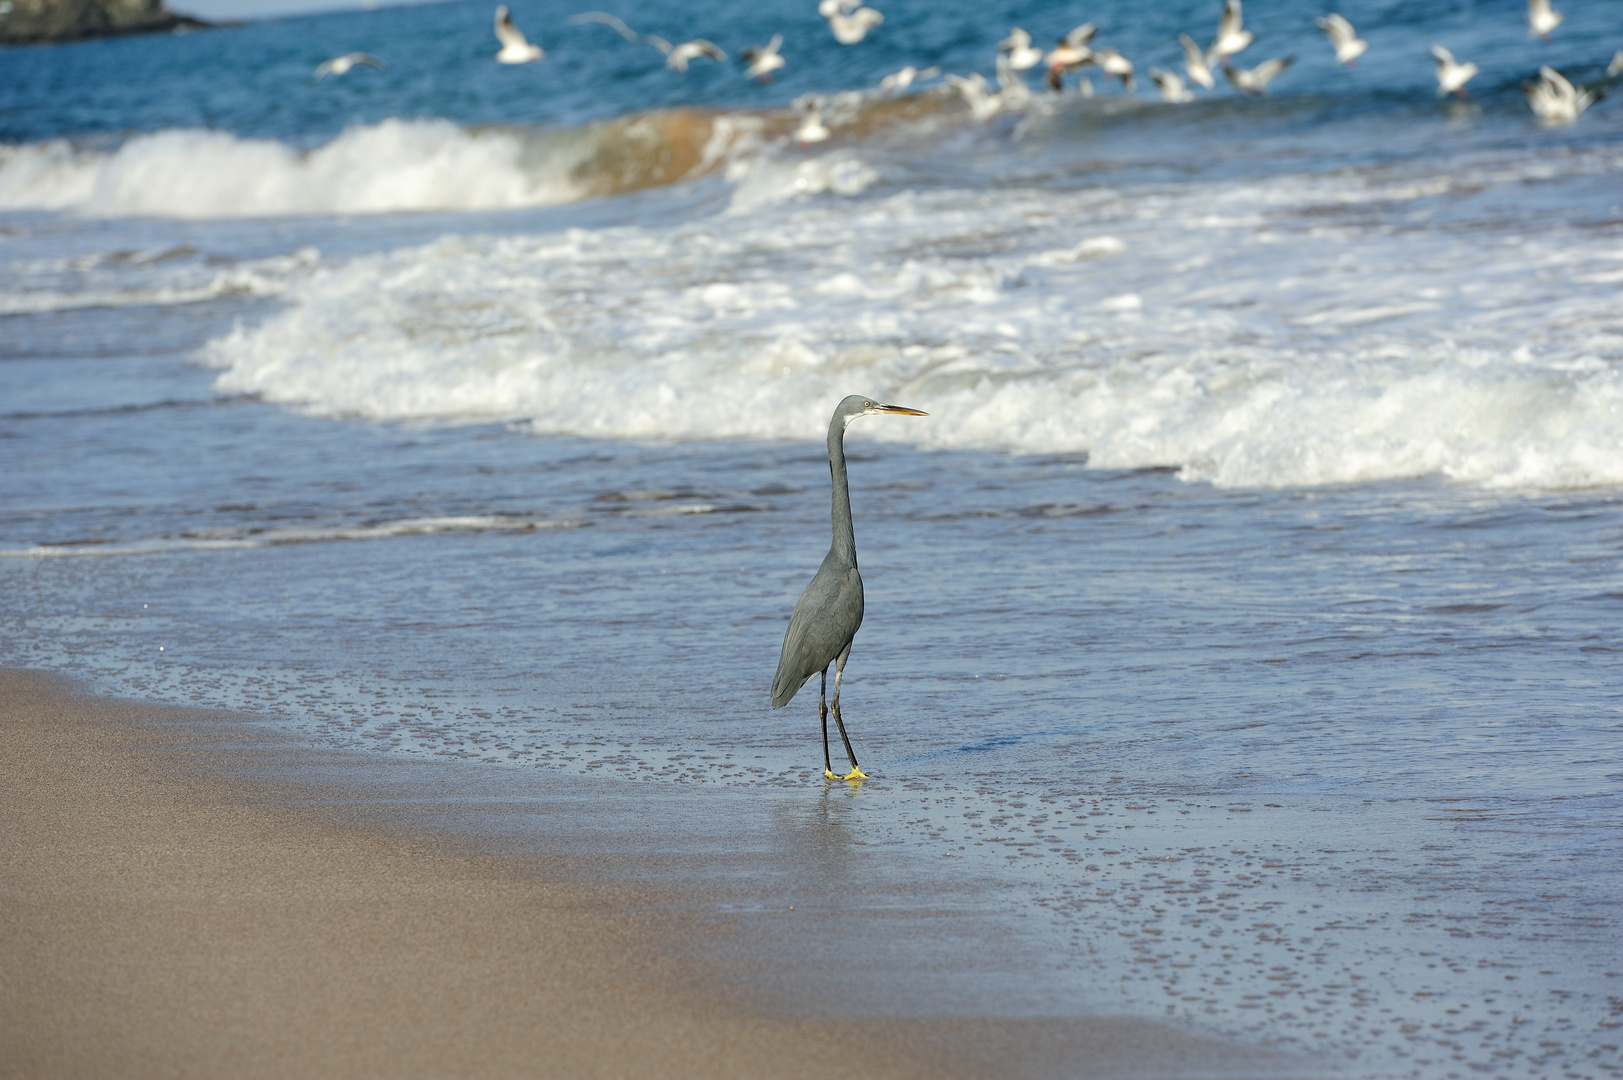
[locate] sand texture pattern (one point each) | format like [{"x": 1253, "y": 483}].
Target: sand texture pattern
[{"x": 157, "y": 919}]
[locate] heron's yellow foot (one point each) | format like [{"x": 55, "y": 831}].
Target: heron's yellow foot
[
  {"x": 856, "y": 773},
  {"x": 828, "y": 774}
]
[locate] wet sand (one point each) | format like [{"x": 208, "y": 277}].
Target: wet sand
[{"x": 171, "y": 904}]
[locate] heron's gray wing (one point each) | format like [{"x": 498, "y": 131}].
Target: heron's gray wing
[{"x": 825, "y": 620}]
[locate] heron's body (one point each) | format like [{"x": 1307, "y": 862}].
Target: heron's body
[{"x": 829, "y": 611}]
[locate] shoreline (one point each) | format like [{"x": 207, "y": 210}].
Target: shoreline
[{"x": 188, "y": 893}]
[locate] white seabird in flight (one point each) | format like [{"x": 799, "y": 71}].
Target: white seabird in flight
[
  {"x": 1072, "y": 52},
  {"x": 1343, "y": 38},
  {"x": 1171, "y": 84},
  {"x": 1557, "y": 101},
  {"x": 516, "y": 48},
  {"x": 1232, "y": 36},
  {"x": 977, "y": 95},
  {"x": 849, "y": 21},
  {"x": 898, "y": 81},
  {"x": 1541, "y": 19},
  {"x": 1451, "y": 74},
  {"x": 1114, "y": 63},
  {"x": 340, "y": 65},
  {"x": 1256, "y": 80},
  {"x": 1022, "y": 55},
  {"x": 677, "y": 56},
  {"x": 763, "y": 60},
  {"x": 1194, "y": 62}
]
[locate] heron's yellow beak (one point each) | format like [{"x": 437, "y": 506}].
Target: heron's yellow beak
[{"x": 900, "y": 410}]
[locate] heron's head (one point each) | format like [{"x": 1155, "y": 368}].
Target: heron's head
[{"x": 856, "y": 405}]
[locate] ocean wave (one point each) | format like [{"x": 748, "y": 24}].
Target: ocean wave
[
  {"x": 236, "y": 539},
  {"x": 125, "y": 279},
  {"x": 1279, "y": 346},
  {"x": 392, "y": 166}
]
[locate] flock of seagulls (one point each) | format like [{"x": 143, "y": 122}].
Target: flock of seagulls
[{"x": 1552, "y": 97}]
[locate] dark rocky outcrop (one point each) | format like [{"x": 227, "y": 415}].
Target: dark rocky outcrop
[{"x": 24, "y": 22}]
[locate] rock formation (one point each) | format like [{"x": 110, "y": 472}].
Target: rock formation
[{"x": 44, "y": 21}]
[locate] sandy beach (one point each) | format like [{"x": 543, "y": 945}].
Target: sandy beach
[{"x": 163, "y": 912}]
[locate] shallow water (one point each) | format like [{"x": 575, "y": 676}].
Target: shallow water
[{"x": 1243, "y": 625}]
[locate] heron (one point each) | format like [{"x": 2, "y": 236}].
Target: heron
[{"x": 828, "y": 613}]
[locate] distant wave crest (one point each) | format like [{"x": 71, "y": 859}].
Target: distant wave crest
[{"x": 393, "y": 166}]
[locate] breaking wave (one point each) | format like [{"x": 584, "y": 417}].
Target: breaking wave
[
  {"x": 393, "y": 166},
  {"x": 1221, "y": 330}
]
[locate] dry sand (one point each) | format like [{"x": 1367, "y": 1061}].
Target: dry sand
[{"x": 159, "y": 918}]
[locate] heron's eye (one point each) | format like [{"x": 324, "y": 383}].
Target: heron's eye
[{"x": 867, "y": 404}]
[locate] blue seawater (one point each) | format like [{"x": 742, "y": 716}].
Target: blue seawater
[{"x": 1244, "y": 624}]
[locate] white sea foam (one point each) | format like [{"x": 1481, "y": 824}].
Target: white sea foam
[
  {"x": 1323, "y": 350},
  {"x": 391, "y": 166},
  {"x": 125, "y": 280}
]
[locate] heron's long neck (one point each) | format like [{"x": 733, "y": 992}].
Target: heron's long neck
[{"x": 845, "y": 539}]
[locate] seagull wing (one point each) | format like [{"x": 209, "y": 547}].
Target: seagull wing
[
  {"x": 1442, "y": 55},
  {"x": 509, "y": 35},
  {"x": 1232, "y": 21},
  {"x": 368, "y": 59},
  {"x": 1192, "y": 56},
  {"x": 1080, "y": 36},
  {"x": 611, "y": 21},
  {"x": 1268, "y": 70},
  {"x": 1336, "y": 28}
]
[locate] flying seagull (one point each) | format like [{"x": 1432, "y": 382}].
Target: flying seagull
[
  {"x": 1194, "y": 62},
  {"x": 340, "y": 65},
  {"x": 1069, "y": 54},
  {"x": 828, "y": 614},
  {"x": 1451, "y": 74},
  {"x": 1017, "y": 46},
  {"x": 1114, "y": 63},
  {"x": 1256, "y": 80},
  {"x": 1172, "y": 88},
  {"x": 898, "y": 81},
  {"x": 849, "y": 21},
  {"x": 1541, "y": 19},
  {"x": 677, "y": 56},
  {"x": 763, "y": 60},
  {"x": 1232, "y": 36},
  {"x": 982, "y": 102},
  {"x": 516, "y": 48},
  {"x": 1557, "y": 101},
  {"x": 1343, "y": 38}
]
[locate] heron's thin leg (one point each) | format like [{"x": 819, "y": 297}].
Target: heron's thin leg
[
  {"x": 822, "y": 714},
  {"x": 856, "y": 772}
]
